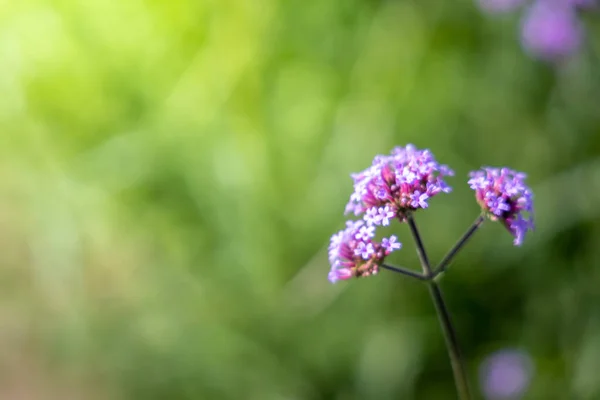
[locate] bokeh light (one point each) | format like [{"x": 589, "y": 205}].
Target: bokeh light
[{"x": 506, "y": 374}]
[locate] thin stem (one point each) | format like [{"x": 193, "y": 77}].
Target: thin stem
[
  {"x": 460, "y": 376},
  {"x": 458, "y": 246},
  {"x": 405, "y": 271},
  {"x": 420, "y": 248}
]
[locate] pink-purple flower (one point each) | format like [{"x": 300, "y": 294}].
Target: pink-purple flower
[
  {"x": 397, "y": 183},
  {"x": 504, "y": 197},
  {"x": 353, "y": 252}
]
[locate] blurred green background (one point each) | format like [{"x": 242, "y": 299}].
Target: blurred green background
[{"x": 171, "y": 172}]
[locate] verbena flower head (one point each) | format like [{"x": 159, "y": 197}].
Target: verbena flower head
[
  {"x": 396, "y": 184},
  {"x": 503, "y": 196},
  {"x": 354, "y": 253}
]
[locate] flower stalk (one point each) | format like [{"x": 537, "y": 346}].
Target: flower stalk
[
  {"x": 458, "y": 246},
  {"x": 405, "y": 271},
  {"x": 420, "y": 247},
  {"x": 458, "y": 368}
]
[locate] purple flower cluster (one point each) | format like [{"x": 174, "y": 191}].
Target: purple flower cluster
[
  {"x": 550, "y": 29},
  {"x": 396, "y": 184},
  {"x": 503, "y": 196},
  {"x": 354, "y": 253},
  {"x": 390, "y": 188}
]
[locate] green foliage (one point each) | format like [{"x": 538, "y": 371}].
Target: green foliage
[{"x": 170, "y": 174}]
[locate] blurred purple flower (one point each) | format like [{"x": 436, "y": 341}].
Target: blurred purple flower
[
  {"x": 503, "y": 196},
  {"x": 551, "y": 30},
  {"x": 354, "y": 253},
  {"x": 500, "y": 6},
  {"x": 505, "y": 374},
  {"x": 584, "y": 3},
  {"x": 397, "y": 183}
]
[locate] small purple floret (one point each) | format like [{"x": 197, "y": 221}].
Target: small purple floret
[
  {"x": 386, "y": 213},
  {"x": 398, "y": 183},
  {"x": 354, "y": 253},
  {"x": 379, "y": 216},
  {"x": 365, "y": 233},
  {"x": 419, "y": 199},
  {"x": 372, "y": 216},
  {"x": 391, "y": 244},
  {"x": 365, "y": 250},
  {"x": 503, "y": 196}
]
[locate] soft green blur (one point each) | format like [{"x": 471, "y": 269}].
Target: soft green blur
[{"x": 170, "y": 174}]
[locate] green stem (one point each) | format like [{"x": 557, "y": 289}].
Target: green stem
[
  {"x": 460, "y": 376},
  {"x": 420, "y": 248},
  {"x": 405, "y": 271},
  {"x": 458, "y": 246}
]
